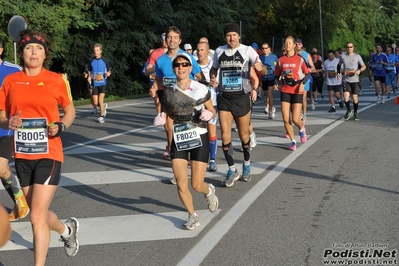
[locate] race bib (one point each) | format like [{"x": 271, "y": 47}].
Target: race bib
[
  {"x": 169, "y": 81},
  {"x": 349, "y": 72},
  {"x": 378, "y": 65},
  {"x": 331, "y": 73},
  {"x": 32, "y": 137},
  {"x": 98, "y": 76},
  {"x": 269, "y": 73},
  {"x": 186, "y": 136},
  {"x": 231, "y": 80}
]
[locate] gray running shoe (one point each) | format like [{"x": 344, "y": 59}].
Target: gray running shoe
[
  {"x": 246, "y": 173},
  {"x": 212, "y": 167},
  {"x": 71, "y": 244},
  {"x": 213, "y": 201},
  {"x": 231, "y": 177},
  {"x": 94, "y": 110},
  {"x": 192, "y": 223}
]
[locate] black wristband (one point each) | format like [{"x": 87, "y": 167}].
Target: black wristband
[{"x": 61, "y": 128}]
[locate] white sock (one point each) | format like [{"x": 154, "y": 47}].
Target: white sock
[{"x": 67, "y": 232}]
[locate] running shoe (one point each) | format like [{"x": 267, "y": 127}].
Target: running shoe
[
  {"x": 253, "y": 141},
  {"x": 303, "y": 136},
  {"x": 213, "y": 201},
  {"x": 212, "y": 167},
  {"x": 292, "y": 146},
  {"x": 332, "y": 110},
  {"x": 341, "y": 104},
  {"x": 231, "y": 177},
  {"x": 234, "y": 129},
  {"x": 371, "y": 85},
  {"x": 382, "y": 100},
  {"x": 266, "y": 110},
  {"x": 313, "y": 106},
  {"x": 192, "y": 223},
  {"x": 105, "y": 109},
  {"x": 322, "y": 97},
  {"x": 389, "y": 95},
  {"x": 287, "y": 136},
  {"x": 272, "y": 114},
  {"x": 356, "y": 117},
  {"x": 101, "y": 119},
  {"x": 315, "y": 101},
  {"x": 246, "y": 173},
  {"x": 94, "y": 110},
  {"x": 348, "y": 115},
  {"x": 173, "y": 180},
  {"x": 360, "y": 92},
  {"x": 379, "y": 99},
  {"x": 71, "y": 243},
  {"x": 21, "y": 209}
]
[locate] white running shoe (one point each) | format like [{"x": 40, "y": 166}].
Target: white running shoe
[
  {"x": 105, "y": 109},
  {"x": 253, "y": 141},
  {"x": 101, "y": 119},
  {"x": 192, "y": 223}
]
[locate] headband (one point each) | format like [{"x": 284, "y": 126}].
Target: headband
[{"x": 32, "y": 39}]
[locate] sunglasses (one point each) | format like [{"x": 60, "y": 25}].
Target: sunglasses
[
  {"x": 184, "y": 64},
  {"x": 349, "y": 46}
]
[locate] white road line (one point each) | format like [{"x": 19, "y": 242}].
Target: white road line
[
  {"x": 197, "y": 254},
  {"x": 118, "y": 229},
  {"x": 141, "y": 175}
]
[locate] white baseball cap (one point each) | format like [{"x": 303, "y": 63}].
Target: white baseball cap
[{"x": 187, "y": 46}]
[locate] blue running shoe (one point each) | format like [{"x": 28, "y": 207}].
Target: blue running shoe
[
  {"x": 231, "y": 177},
  {"x": 246, "y": 173}
]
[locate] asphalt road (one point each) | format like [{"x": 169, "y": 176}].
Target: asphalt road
[{"x": 334, "y": 198}]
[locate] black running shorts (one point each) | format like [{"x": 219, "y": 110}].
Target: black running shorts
[
  {"x": 200, "y": 154},
  {"x": 43, "y": 171},
  {"x": 238, "y": 106},
  {"x": 291, "y": 98},
  {"x": 6, "y": 147}
]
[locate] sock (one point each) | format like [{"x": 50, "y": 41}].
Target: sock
[
  {"x": 210, "y": 191},
  {"x": 213, "y": 145},
  {"x": 333, "y": 106},
  {"x": 293, "y": 140},
  {"x": 228, "y": 154},
  {"x": 67, "y": 232},
  {"x": 13, "y": 182},
  {"x": 246, "y": 150},
  {"x": 8, "y": 189},
  {"x": 247, "y": 163},
  {"x": 232, "y": 168},
  {"x": 355, "y": 105},
  {"x": 347, "y": 106}
]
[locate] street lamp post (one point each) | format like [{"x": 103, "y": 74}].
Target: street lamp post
[{"x": 321, "y": 30}]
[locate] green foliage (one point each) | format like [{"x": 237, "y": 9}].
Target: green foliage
[{"x": 128, "y": 29}]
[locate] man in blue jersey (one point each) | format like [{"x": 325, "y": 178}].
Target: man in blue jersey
[
  {"x": 9, "y": 180},
  {"x": 379, "y": 63},
  {"x": 100, "y": 70},
  {"x": 390, "y": 78},
  {"x": 270, "y": 60}
]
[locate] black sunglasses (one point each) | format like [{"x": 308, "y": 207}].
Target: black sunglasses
[{"x": 184, "y": 64}]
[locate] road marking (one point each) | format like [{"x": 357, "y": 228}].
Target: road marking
[
  {"x": 112, "y": 229},
  {"x": 141, "y": 175},
  {"x": 197, "y": 254}
]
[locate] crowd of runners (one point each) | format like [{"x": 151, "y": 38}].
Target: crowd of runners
[{"x": 194, "y": 90}]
